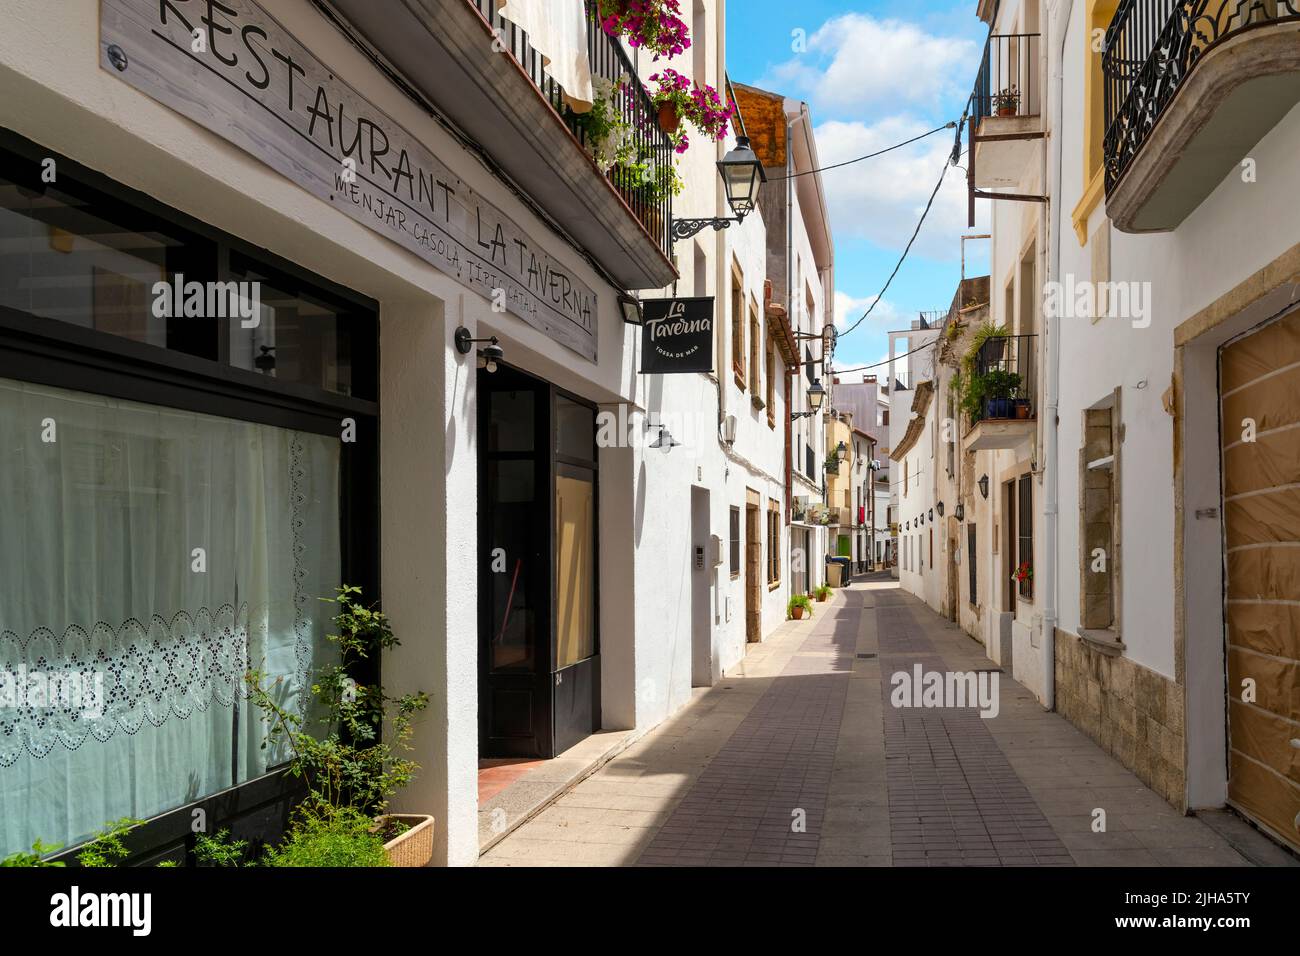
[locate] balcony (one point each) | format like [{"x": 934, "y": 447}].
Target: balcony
[
  {"x": 1001, "y": 394},
  {"x": 514, "y": 116},
  {"x": 1006, "y": 129},
  {"x": 1190, "y": 87}
]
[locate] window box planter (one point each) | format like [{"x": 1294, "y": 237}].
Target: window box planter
[{"x": 414, "y": 846}]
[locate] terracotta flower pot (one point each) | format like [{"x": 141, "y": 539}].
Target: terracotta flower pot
[
  {"x": 821, "y": 598},
  {"x": 796, "y": 612},
  {"x": 669, "y": 119},
  {"x": 414, "y": 847}
]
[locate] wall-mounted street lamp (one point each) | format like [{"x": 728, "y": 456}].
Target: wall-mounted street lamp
[
  {"x": 842, "y": 452},
  {"x": 816, "y": 396},
  {"x": 665, "y": 441},
  {"x": 984, "y": 487},
  {"x": 741, "y": 174},
  {"x": 939, "y": 508},
  {"x": 488, "y": 356},
  {"x": 931, "y": 516},
  {"x": 960, "y": 513},
  {"x": 727, "y": 430}
]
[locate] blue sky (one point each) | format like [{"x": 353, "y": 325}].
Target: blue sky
[{"x": 874, "y": 73}]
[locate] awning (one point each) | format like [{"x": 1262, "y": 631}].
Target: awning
[{"x": 557, "y": 29}]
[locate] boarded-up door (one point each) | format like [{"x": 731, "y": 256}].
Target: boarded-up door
[{"x": 1259, "y": 382}]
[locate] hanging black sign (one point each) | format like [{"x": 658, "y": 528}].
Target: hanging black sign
[{"x": 677, "y": 336}]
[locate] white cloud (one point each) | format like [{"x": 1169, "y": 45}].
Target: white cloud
[
  {"x": 882, "y": 199},
  {"x": 848, "y": 309},
  {"x": 855, "y": 61}
]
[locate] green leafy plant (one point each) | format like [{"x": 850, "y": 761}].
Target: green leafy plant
[
  {"x": 107, "y": 848},
  {"x": 219, "y": 850},
  {"x": 1000, "y": 384},
  {"x": 974, "y": 386},
  {"x": 342, "y": 838},
  {"x": 357, "y": 763},
  {"x": 799, "y": 601},
  {"x": 646, "y": 179},
  {"x": 606, "y": 133},
  {"x": 823, "y": 592},
  {"x": 35, "y": 858}
]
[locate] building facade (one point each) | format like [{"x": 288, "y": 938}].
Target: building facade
[{"x": 422, "y": 382}]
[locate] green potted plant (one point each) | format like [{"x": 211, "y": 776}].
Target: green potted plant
[
  {"x": 1006, "y": 101},
  {"x": 823, "y": 593},
  {"x": 798, "y": 604},
  {"x": 356, "y": 765},
  {"x": 999, "y": 387},
  {"x": 832, "y": 464}
]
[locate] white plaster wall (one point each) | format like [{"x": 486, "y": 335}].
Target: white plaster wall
[
  {"x": 1239, "y": 229},
  {"x": 56, "y": 94}
]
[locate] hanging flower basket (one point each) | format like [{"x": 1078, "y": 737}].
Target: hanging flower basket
[
  {"x": 669, "y": 118},
  {"x": 653, "y": 25}
]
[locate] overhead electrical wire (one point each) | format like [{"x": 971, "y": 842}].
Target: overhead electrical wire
[
  {"x": 917, "y": 231},
  {"x": 850, "y": 162}
]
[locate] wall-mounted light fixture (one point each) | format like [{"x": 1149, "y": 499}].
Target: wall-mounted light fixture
[
  {"x": 939, "y": 508},
  {"x": 742, "y": 174},
  {"x": 816, "y": 396},
  {"x": 665, "y": 442},
  {"x": 727, "y": 430},
  {"x": 630, "y": 306},
  {"x": 266, "y": 361},
  {"x": 984, "y": 487},
  {"x": 842, "y": 452},
  {"x": 488, "y": 356},
  {"x": 931, "y": 515},
  {"x": 960, "y": 513}
]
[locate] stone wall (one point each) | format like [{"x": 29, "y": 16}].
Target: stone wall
[{"x": 1134, "y": 713}]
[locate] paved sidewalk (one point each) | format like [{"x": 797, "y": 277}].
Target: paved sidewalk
[{"x": 801, "y": 760}]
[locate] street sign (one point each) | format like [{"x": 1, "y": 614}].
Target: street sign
[{"x": 677, "y": 336}]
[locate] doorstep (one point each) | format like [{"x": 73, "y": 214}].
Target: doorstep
[{"x": 523, "y": 789}]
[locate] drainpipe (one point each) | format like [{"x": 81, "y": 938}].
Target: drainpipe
[{"x": 1051, "y": 464}]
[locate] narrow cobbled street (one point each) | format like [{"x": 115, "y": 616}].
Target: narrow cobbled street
[{"x": 802, "y": 760}]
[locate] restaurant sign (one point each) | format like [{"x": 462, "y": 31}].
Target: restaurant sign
[
  {"x": 677, "y": 336},
  {"x": 231, "y": 68}
]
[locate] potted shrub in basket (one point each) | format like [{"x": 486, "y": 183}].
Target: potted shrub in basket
[
  {"x": 356, "y": 765},
  {"x": 798, "y": 604}
]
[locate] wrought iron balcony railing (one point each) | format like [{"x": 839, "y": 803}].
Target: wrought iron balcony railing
[
  {"x": 1151, "y": 47},
  {"x": 1007, "y": 83},
  {"x": 642, "y": 185},
  {"x": 1004, "y": 381}
]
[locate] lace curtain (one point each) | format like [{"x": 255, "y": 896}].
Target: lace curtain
[{"x": 122, "y": 646}]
